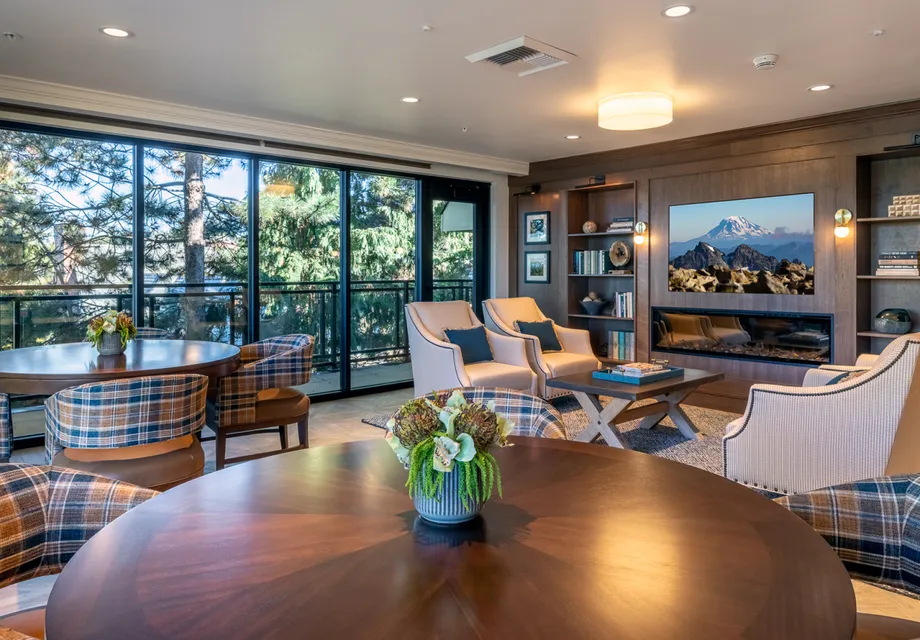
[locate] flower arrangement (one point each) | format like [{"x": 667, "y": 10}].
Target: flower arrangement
[
  {"x": 110, "y": 323},
  {"x": 446, "y": 435}
]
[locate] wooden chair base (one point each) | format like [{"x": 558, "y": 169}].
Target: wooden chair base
[{"x": 223, "y": 434}]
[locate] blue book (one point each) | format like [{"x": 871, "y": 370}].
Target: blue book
[{"x": 612, "y": 375}]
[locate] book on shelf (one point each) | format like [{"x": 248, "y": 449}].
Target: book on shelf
[
  {"x": 898, "y": 255},
  {"x": 621, "y": 345},
  {"x": 903, "y": 273},
  {"x": 907, "y": 262},
  {"x": 622, "y": 306},
  {"x": 590, "y": 263}
]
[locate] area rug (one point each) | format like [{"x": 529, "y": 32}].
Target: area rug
[{"x": 664, "y": 440}]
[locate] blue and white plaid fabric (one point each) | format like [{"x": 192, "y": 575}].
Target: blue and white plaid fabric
[
  {"x": 125, "y": 413},
  {"x": 275, "y": 363},
  {"x": 873, "y": 525},
  {"x": 47, "y": 514},
  {"x": 6, "y": 428},
  {"x": 531, "y": 416}
]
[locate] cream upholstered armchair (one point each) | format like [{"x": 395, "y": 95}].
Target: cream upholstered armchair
[
  {"x": 577, "y": 355},
  {"x": 438, "y": 364},
  {"x": 798, "y": 439}
]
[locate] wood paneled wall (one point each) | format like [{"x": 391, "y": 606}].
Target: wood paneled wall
[{"x": 817, "y": 155}]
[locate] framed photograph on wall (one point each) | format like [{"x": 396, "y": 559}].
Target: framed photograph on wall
[
  {"x": 536, "y": 267},
  {"x": 536, "y": 227}
]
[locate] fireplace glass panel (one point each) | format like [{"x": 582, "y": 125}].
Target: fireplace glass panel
[{"x": 772, "y": 337}]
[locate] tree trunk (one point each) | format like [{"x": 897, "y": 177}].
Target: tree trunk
[{"x": 194, "y": 242}]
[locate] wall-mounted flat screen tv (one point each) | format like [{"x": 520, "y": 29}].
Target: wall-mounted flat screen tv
[{"x": 757, "y": 245}]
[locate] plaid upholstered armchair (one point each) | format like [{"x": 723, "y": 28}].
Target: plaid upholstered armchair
[
  {"x": 530, "y": 415},
  {"x": 6, "y": 428},
  {"x": 258, "y": 397},
  {"x": 139, "y": 430},
  {"x": 46, "y": 515},
  {"x": 874, "y": 526}
]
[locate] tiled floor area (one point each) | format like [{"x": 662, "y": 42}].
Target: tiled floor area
[{"x": 340, "y": 421}]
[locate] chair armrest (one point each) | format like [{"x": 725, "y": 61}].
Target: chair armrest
[
  {"x": 436, "y": 364},
  {"x": 866, "y": 360},
  {"x": 508, "y": 350},
  {"x": 819, "y": 377},
  {"x": 575, "y": 340}
]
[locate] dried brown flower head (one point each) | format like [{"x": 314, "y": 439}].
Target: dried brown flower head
[
  {"x": 415, "y": 421},
  {"x": 479, "y": 422}
]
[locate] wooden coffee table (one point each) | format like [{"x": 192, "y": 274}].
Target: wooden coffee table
[{"x": 668, "y": 395}]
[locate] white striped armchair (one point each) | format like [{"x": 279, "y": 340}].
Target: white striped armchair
[{"x": 798, "y": 439}]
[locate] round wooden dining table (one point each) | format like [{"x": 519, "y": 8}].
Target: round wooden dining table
[
  {"x": 49, "y": 369},
  {"x": 587, "y": 542}
]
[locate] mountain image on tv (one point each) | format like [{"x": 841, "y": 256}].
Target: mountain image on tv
[{"x": 760, "y": 245}]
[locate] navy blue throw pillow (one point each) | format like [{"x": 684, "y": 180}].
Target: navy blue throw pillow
[
  {"x": 473, "y": 343},
  {"x": 544, "y": 332}
]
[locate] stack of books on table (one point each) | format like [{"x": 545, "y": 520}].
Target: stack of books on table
[
  {"x": 640, "y": 369},
  {"x": 620, "y": 225},
  {"x": 899, "y": 263},
  {"x": 621, "y": 345}
]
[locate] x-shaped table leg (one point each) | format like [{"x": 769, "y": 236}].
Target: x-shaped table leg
[
  {"x": 675, "y": 413},
  {"x": 600, "y": 419}
]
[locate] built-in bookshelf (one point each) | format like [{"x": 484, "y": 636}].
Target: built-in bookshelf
[
  {"x": 601, "y": 204},
  {"x": 881, "y": 177}
]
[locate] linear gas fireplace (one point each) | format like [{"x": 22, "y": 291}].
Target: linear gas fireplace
[{"x": 789, "y": 338}]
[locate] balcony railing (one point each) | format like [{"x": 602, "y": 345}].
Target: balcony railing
[{"x": 51, "y": 314}]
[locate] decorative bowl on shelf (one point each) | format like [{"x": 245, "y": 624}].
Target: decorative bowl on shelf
[
  {"x": 593, "y": 307},
  {"x": 893, "y": 321}
]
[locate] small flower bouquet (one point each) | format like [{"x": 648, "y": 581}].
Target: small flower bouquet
[
  {"x": 110, "y": 332},
  {"x": 445, "y": 445}
]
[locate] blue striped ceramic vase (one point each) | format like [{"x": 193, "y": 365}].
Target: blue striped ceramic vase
[
  {"x": 110, "y": 345},
  {"x": 447, "y": 508}
]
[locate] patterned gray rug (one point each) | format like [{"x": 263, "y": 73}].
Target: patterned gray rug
[{"x": 664, "y": 440}]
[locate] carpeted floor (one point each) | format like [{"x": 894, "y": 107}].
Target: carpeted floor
[{"x": 664, "y": 440}]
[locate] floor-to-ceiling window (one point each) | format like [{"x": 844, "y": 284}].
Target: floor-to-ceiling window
[
  {"x": 300, "y": 229},
  {"x": 382, "y": 243},
  {"x": 196, "y": 244},
  {"x": 226, "y": 246}
]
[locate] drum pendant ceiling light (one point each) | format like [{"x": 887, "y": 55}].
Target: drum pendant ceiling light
[{"x": 634, "y": 111}]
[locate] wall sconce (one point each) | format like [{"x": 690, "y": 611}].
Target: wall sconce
[
  {"x": 641, "y": 228},
  {"x": 843, "y": 217}
]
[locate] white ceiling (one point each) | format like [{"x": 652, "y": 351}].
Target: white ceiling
[{"x": 344, "y": 64}]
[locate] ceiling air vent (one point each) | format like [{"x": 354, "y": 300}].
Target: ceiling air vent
[{"x": 523, "y": 56}]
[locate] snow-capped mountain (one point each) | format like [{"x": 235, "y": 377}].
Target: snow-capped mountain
[
  {"x": 736, "y": 228},
  {"x": 734, "y": 231}
]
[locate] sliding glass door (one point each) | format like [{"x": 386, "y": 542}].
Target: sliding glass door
[
  {"x": 300, "y": 231},
  {"x": 382, "y": 258}
]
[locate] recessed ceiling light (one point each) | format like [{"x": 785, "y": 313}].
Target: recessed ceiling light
[
  {"x": 677, "y": 11},
  {"x": 410, "y": 99},
  {"x": 115, "y": 32},
  {"x": 820, "y": 87},
  {"x": 572, "y": 137}
]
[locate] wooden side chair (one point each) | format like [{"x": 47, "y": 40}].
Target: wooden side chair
[
  {"x": 6, "y": 428},
  {"x": 138, "y": 430},
  {"x": 259, "y": 396},
  {"x": 46, "y": 515}
]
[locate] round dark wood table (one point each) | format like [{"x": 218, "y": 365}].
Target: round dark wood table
[
  {"x": 588, "y": 542},
  {"x": 47, "y": 370}
]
